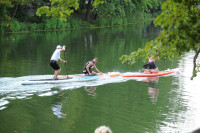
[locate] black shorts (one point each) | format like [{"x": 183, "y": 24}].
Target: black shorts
[
  {"x": 54, "y": 65},
  {"x": 86, "y": 72},
  {"x": 152, "y": 65}
]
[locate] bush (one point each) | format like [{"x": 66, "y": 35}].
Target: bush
[
  {"x": 55, "y": 23},
  {"x": 17, "y": 26},
  {"x": 102, "y": 22},
  {"x": 67, "y": 25},
  {"x": 50, "y": 24},
  {"x": 116, "y": 21},
  {"x": 34, "y": 27},
  {"x": 62, "y": 25},
  {"x": 125, "y": 21},
  {"x": 75, "y": 23}
]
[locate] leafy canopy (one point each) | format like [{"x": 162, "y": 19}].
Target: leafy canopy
[
  {"x": 62, "y": 8},
  {"x": 59, "y": 8}
]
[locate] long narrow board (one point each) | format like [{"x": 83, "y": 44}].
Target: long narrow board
[
  {"x": 160, "y": 73},
  {"x": 51, "y": 81},
  {"x": 109, "y": 74}
]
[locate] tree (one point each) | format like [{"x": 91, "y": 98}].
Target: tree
[
  {"x": 89, "y": 7},
  {"x": 59, "y": 8},
  {"x": 6, "y": 20},
  {"x": 63, "y": 8},
  {"x": 180, "y": 23}
]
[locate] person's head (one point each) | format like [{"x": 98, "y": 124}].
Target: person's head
[
  {"x": 103, "y": 129},
  {"x": 58, "y": 47},
  {"x": 95, "y": 60}
]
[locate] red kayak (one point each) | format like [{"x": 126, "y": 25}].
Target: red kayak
[{"x": 160, "y": 73}]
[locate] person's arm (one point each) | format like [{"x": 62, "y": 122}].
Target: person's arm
[
  {"x": 64, "y": 61},
  {"x": 63, "y": 48},
  {"x": 96, "y": 69}
]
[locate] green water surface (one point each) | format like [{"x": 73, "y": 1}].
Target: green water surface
[{"x": 128, "y": 106}]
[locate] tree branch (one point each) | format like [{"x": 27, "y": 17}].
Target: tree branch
[
  {"x": 194, "y": 64},
  {"x": 12, "y": 18}
]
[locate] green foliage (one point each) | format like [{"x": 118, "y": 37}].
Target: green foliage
[
  {"x": 115, "y": 8},
  {"x": 102, "y": 22},
  {"x": 116, "y": 12},
  {"x": 17, "y": 26},
  {"x": 62, "y": 25},
  {"x": 97, "y": 2},
  {"x": 105, "y": 13},
  {"x": 4, "y": 18},
  {"x": 75, "y": 23},
  {"x": 6, "y": 14},
  {"x": 150, "y": 4},
  {"x": 34, "y": 27},
  {"x": 50, "y": 24},
  {"x": 61, "y": 9}
]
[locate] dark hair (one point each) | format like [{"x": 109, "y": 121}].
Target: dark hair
[{"x": 146, "y": 66}]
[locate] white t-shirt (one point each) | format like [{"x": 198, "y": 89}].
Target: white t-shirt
[{"x": 56, "y": 55}]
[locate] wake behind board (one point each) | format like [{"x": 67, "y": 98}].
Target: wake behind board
[
  {"x": 160, "y": 73},
  {"x": 64, "y": 80},
  {"x": 110, "y": 74}
]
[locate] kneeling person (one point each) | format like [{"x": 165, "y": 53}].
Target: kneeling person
[{"x": 90, "y": 64}]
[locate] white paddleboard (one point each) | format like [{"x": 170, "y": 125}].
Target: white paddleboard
[{"x": 52, "y": 81}]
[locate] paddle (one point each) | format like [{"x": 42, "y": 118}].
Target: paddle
[{"x": 66, "y": 62}]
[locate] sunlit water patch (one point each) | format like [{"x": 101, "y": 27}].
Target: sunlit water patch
[{"x": 189, "y": 90}]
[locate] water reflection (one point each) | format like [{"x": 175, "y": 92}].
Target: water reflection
[
  {"x": 91, "y": 90},
  {"x": 60, "y": 107},
  {"x": 153, "y": 92},
  {"x": 57, "y": 108}
]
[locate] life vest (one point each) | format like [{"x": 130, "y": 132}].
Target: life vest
[{"x": 84, "y": 68}]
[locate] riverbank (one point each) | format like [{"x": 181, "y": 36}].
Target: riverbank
[{"x": 55, "y": 24}]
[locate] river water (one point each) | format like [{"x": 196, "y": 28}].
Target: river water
[{"x": 127, "y": 105}]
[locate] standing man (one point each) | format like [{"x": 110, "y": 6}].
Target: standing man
[
  {"x": 90, "y": 64},
  {"x": 54, "y": 58}
]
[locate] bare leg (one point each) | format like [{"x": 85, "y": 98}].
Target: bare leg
[
  {"x": 92, "y": 74},
  {"x": 147, "y": 71},
  {"x": 155, "y": 70},
  {"x": 56, "y": 73}
]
